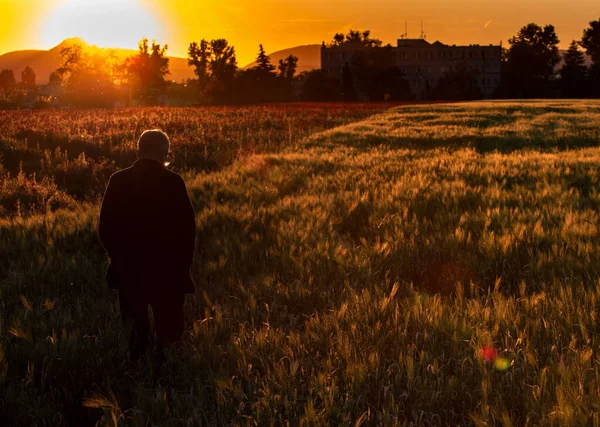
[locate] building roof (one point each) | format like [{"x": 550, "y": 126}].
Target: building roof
[{"x": 413, "y": 43}]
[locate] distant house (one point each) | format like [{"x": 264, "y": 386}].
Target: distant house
[{"x": 424, "y": 63}]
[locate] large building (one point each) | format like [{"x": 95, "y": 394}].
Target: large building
[{"x": 424, "y": 63}]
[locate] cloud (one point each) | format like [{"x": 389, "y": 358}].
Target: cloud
[{"x": 487, "y": 23}]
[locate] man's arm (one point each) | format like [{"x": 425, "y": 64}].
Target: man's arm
[
  {"x": 108, "y": 211},
  {"x": 186, "y": 225}
]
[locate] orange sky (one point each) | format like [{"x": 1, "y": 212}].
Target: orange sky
[{"x": 279, "y": 24}]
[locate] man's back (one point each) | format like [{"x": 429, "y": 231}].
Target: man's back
[{"x": 148, "y": 228}]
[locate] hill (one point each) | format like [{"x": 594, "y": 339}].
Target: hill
[
  {"x": 43, "y": 62},
  {"x": 309, "y": 57}
]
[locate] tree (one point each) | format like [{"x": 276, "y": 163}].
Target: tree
[
  {"x": 318, "y": 86},
  {"x": 55, "y": 79},
  {"x": 147, "y": 69},
  {"x": 356, "y": 37},
  {"x": 223, "y": 63},
  {"x": 223, "y": 66},
  {"x": 263, "y": 61},
  {"x": 370, "y": 42},
  {"x": 259, "y": 84},
  {"x": 28, "y": 79},
  {"x": 72, "y": 58},
  {"x": 287, "y": 67},
  {"x": 591, "y": 43},
  {"x": 530, "y": 62},
  {"x": 87, "y": 79},
  {"x": 458, "y": 85},
  {"x": 376, "y": 75},
  {"x": 573, "y": 73},
  {"x": 286, "y": 71},
  {"x": 338, "y": 39},
  {"x": 199, "y": 56},
  {"x": 254, "y": 86},
  {"x": 7, "y": 80},
  {"x": 215, "y": 65}
]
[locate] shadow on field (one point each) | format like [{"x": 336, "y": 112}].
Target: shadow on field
[
  {"x": 538, "y": 140},
  {"x": 484, "y": 127}
]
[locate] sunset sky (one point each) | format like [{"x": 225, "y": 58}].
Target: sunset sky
[{"x": 279, "y": 24}]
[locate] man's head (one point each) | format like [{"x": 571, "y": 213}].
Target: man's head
[{"x": 153, "y": 145}]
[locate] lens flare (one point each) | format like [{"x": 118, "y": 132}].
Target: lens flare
[
  {"x": 489, "y": 354},
  {"x": 501, "y": 364}
]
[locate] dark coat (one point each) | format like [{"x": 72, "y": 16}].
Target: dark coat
[{"x": 148, "y": 227}]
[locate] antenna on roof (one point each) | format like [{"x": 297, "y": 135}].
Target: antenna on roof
[{"x": 423, "y": 35}]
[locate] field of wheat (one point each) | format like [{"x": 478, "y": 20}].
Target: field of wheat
[{"x": 426, "y": 265}]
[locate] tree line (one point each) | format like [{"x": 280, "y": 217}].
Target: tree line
[
  {"x": 529, "y": 64},
  {"x": 100, "y": 80},
  {"x": 528, "y": 70}
]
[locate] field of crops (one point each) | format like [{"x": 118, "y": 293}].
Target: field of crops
[
  {"x": 433, "y": 264},
  {"x": 65, "y": 157}
]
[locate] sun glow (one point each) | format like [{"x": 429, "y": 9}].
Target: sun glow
[{"x": 106, "y": 23}]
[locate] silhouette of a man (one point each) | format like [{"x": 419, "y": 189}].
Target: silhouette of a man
[{"x": 147, "y": 225}]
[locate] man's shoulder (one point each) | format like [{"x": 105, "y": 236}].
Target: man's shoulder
[
  {"x": 173, "y": 177},
  {"x": 120, "y": 175}
]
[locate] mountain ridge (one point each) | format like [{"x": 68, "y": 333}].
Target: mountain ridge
[
  {"x": 309, "y": 57},
  {"x": 44, "y": 62}
]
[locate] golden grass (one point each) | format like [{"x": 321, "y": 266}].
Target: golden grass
[{"x": 353, "y": 279}]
